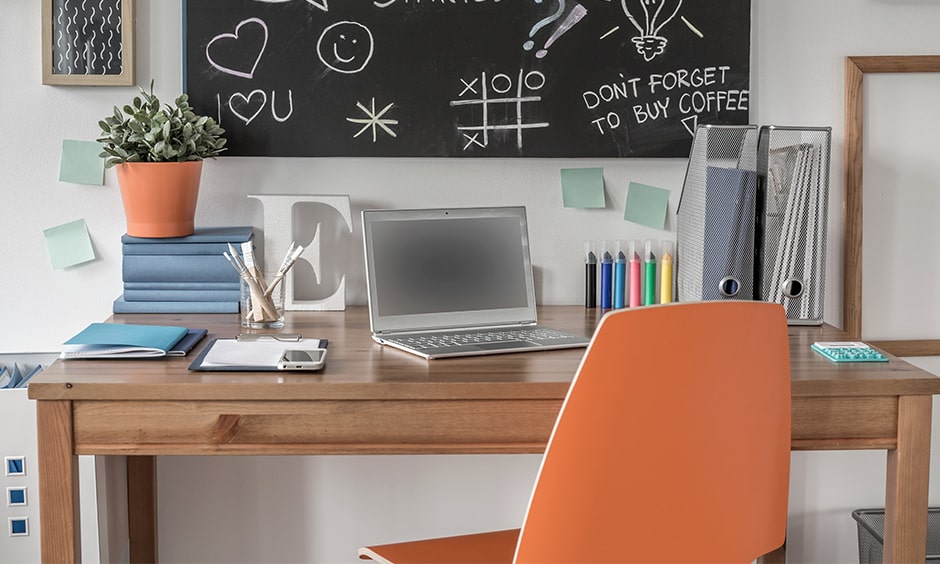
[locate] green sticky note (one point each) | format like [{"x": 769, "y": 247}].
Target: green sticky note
[
  {"x": 69, "y": 244},
  {"x": 583, "y": 187},
  {"x": 80, "y": 162},
  {"x": 646, "y": 205}
]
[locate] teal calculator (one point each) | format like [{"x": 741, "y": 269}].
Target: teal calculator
[{"x": 848, "y": 351}]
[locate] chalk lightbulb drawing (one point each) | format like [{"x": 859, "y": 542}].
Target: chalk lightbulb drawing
[{"x": 654, "y": 14}]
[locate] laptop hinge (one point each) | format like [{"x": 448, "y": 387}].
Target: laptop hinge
[{"x": 455, "y": 329}]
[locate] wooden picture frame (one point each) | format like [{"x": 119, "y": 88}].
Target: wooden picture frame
[
  {"x": 855, "y": 70},
  {"x": 88, "y": 43}
]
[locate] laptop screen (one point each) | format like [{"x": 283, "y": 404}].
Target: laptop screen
[{"x": 447, "y": 268}]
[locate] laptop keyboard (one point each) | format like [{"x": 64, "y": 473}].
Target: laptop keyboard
[{"x": 440, "y": 340}]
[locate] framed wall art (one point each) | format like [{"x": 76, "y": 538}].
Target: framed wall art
[
  {"x": 855, "y": 70},
  {"x": 88, "y": 42}
]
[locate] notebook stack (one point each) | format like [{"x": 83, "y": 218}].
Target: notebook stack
[{"x": 181, "y": 274}]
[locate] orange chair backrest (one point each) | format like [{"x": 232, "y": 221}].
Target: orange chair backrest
[{"x": 673, "y": 444}]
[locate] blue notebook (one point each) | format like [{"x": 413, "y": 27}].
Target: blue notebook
[{"x": 120, "y": 340}]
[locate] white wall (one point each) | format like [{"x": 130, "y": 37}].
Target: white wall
[{"x": 305, "y": 509}]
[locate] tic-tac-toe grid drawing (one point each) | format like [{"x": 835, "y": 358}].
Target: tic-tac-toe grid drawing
[{"x": 500, "y": 97}]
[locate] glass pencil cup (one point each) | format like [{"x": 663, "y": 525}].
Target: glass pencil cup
[{"x": 261, "y": 309}]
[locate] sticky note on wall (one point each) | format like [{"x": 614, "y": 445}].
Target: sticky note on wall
[
  {"x": 583, "y": 188},
  {"x": 646, "y": 205},
  {"x": 80, "y": 162},
  {"x": 69, "y": 244}
]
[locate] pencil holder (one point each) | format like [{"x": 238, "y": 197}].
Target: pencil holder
[{"x": 262, "y": 308}]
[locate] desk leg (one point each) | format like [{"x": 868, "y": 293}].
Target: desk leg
[
  {"x": 59, "y": 520},
  {"x": 907, "y": 484},
  {"x": 142, "y": 508}
]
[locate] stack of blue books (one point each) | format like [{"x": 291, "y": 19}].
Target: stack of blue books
[{"x": 181, "y": 274}]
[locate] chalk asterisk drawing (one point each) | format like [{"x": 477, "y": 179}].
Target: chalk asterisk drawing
[{"x": 374, "y": 120}]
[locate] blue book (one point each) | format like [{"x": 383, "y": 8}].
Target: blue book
[
  {"x": 143, "y": 295},
  {"x": 177, "y": 249},
  {"x": 119, "y": 340},
  {"x": 178, "y": 268},
  {"x": 235, "y": 286},
  {"x": 234, "y": 235},
  {"x": 121, "y": 305}
]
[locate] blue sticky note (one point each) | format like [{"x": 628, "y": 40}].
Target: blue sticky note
[
  {"x": 69, "y": 244},
  {"x": 646, "y": 205},
  {"x": 583, "y": 188},
  {"x": 80, "y": 162}
]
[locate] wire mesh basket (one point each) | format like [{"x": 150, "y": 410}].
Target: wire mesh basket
[{"x": 871, "y": 542}]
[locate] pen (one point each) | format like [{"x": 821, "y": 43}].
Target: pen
[
  {"x": 649, "y": 276},
  {"x": 620, "y": 278},
  {"x": 635, "y": 280},
  {"x": 248, "y": 256},
  {"x": 293, "y": 253},
  {"x": 665, "y": 275},
  {"x": 590, "y": 275},
  {"x": 607, "y": 264}
]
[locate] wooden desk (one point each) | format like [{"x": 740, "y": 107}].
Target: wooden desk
[{"x": 372, "y": 399}]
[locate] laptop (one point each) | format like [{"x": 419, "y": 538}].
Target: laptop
[{"x": 454, "y": 282}]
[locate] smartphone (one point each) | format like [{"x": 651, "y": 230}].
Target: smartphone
[{"x": 306, "y": 359}]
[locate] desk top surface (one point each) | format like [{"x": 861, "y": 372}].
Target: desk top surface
[{"x": 360, "y": 369}]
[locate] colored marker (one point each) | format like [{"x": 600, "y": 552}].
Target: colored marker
[
  {"x": 620, "y": 279},
  {"x": 649, "y": 276},
  {"x": 665, "y": 275},
  {"x": 590, "y": 276},
  {"x": 607, "y": 267},
  {"x": 635, "y": 280}
]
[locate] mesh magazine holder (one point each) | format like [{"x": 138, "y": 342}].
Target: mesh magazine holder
[{"x": 751, "y": 223}]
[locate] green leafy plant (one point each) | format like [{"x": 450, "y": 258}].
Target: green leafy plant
[{"x": 146, "y": 131}]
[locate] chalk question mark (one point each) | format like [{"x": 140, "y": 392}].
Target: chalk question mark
[{"x": 528, "y": 45}]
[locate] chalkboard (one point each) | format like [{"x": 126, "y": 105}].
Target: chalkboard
[{"x": 474, "y": 78}]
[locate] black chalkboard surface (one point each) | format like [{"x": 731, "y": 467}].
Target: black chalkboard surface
[{"x": 475, "y": 78}]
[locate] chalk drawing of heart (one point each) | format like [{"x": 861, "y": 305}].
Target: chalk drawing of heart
[
  {"x": 227, "y": 37},
  {"x": 246, "y": 114}
]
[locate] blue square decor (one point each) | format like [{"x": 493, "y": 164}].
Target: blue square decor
[
  {"x": 19, "y": 526},
  {"x": 16, "y": 496},
  {"x": 15, "y": 466}
]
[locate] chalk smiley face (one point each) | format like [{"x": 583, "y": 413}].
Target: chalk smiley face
[{"x": 346, "y": 47}]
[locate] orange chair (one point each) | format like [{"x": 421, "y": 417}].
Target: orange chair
[{"x": 673, "y": 445}]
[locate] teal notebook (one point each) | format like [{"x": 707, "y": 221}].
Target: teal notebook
[{"x": 119, "y": 340}]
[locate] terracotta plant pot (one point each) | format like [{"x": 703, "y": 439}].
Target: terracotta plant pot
[{"x": 159, "y": 198}]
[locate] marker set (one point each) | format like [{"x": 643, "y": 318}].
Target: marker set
[{"x": 619, "y": 274}]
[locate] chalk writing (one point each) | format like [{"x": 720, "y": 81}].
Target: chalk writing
[
  {"x": 322, "y": 4},
  {"x": 700, "y": 100},
  {"x": 256, "y": 37},
  {"x": 387, "y": 3},
  {"x": 576, "y": 14},
  {"x": 374, "y": 120},
  {"x": 654, "y": 15},
  {"x": 248, "y": 107},
  {"x": 500, "y": 84},
  {"x": 474, "y": 78},
  {"x": 346, "y": 47}
]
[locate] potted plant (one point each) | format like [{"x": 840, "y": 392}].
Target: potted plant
[{"x": 157, "y": 151}]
